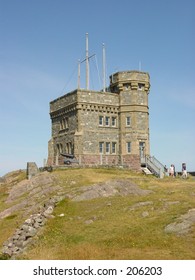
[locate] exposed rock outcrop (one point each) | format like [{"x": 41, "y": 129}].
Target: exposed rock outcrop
[
  {"x": 183, "y": 224},
  {"x": 37, "y": 197},
  {"x": 111, "y": 188},
  {"x": 23, "y": 236},
  {"x": 29, "y": 195}
]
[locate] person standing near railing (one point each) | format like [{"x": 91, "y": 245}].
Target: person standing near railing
[
  {"x": 166, "y": 171},
  {"x": 184, "y": 171},
  {"x": 171, "y": 170}
]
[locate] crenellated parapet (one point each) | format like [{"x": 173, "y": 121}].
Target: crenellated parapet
[{"x": 130, "y": 80}]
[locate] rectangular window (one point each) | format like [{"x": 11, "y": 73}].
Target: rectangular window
[
  {"x": 107, "y": 147},
  {"x": 128, "y": 147},
  {"x": 113, "y": 121},
  {"x": 113, "y": 148},
  {"x": 107, "y": 121},
  {"x": 101, "y": 147},
  {"x": 61, "y": 124},
  {"x": 66, "y": 123},
  {"x": 128, "y": 121},
  {"x": 101, "y": 120}
]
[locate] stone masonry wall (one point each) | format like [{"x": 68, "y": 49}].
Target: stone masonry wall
[
  {"x": 96, "y": 98},
  {"x": 111, "y": 160},
  {"x": 66, "y": 100},
  {"x": 132, "y": 162}
]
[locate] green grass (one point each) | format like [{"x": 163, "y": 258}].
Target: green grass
[
  {"x": 107, "y": 228},
  {"x": 115, "y": 233}
]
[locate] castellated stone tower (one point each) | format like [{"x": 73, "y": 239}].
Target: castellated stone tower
[
  {"x": 133, "y": 89},
  {"x": 103, "y": 128}
]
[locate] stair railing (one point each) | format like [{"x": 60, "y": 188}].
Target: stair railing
[{"x": 154, "y": 165}]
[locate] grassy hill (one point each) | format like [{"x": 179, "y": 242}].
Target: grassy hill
[{"x": 106, "y": 214}]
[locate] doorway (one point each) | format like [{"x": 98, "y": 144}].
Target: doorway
[{"x": 142, "y": 149}]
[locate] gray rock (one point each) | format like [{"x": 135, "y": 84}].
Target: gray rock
[
  {"x": 31, "y": 232},
  {"x": 178, "y": 228},
  {"x": 19, "y": 244},
  {"x": 15, "y": 250},
  {"x": 61, "y": 215},
  {"x": 7, "y": 251},
  {"x": 22, "y": 238},
  {"x": 16, "y": 237},
  {"x": 140, "y": 204},
  {"x": 19, "y": 231},
  {"x": 49, "y": 210},
  {"x": 111, "y": 188},
  {"x": 169, "y": 203},
  {"x": 37, "y": 225},
  {"x": 145, "y": 214},
  {"x": 183, "y": 223},
  {"x": 88, "y": 222},
  {"x": 39, "y": 220},
  {"x": 25, "y": 228},
  {"x": 24, "y": 235},
  {"x": 26, "y": 242},
  {"x": 10, "y": 245},
  {"x": 29, "y": 221}
]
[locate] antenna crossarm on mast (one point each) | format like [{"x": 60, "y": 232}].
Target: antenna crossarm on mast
[
  {"x": 79, "y": 71},
  {"x": 87, "y": 58}
]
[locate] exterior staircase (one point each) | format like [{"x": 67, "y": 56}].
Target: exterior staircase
[
  {"x": 150, "y": 165},
  {"x": 146, "y": 171}
]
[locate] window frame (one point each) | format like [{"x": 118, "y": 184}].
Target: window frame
[
  {"x": 128, "y": 147},
  {"x": 128, "y": 121},
  {"x": 66, "y": 122},
  {"x": 107, "y": 148},
  {"x": 101, "y": 120},
  {"x": 113, "y": 146},
  {"x": 107, "y": 121},
  {"x": 113, "y": 123},
  {"x": 101, "y": 148}
]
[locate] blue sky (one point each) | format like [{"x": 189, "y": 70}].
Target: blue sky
[{"x": 41, "y": 41}]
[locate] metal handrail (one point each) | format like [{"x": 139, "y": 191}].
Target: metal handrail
[
  {"x": 158, "y": 162},
  {"x": 154, "y": 164}
]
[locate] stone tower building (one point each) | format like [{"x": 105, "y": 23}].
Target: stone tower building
[{"x": 103, "y": 128}]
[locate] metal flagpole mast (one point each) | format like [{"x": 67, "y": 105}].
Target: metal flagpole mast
[
  {"x": 87, "y": 63},
  {"x": 140, "y": 65},
  {"x": 79, "y": 74},
  {"x": 104, "y": 68}
]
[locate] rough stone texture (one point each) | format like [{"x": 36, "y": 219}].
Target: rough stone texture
[
  {"x": 23, "y": 236},
  {"x": 111, "y": 188},
  {"x": 76, "y": 128},
  {"x": 32, "y": 169},
  {"x": 37, "y": 197},
  {"x": 140, "y": 204},
  {"x": 133, "y": 161},
  {"x": 183, "y": 224},
  {"x": 145, "y": 214},
  {"x": 31, "y": 194}
]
